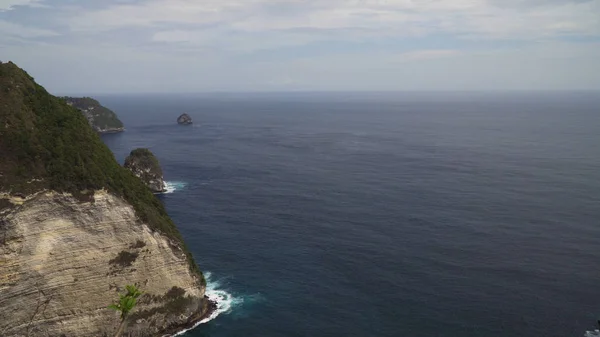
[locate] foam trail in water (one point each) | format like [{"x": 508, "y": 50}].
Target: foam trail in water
[
  {"x": 594, "y": 333},
  {"x": 224, "y": 300},
  {"x": 172, "y": 186}
]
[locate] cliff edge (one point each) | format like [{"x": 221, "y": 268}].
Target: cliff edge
[{"x": 76, "y": 227}]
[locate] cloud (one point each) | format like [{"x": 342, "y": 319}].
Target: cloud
[
  {"x": 428, "y": 54},
  {"x": 6, "y": 5},
  {"x": 485, "y": 18},
  {"x": 256, "y": 25},
  {"x": 12, "y": 30},
  {"x": 155, "y": 13},
  {"x": 243, "y": 41},
  {"x": 306, "y": 44}
]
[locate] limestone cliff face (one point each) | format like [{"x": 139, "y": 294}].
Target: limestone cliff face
[{"x": 62, "y": 262}]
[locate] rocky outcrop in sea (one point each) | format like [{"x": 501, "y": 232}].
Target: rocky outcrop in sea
[
  {"x": 184, "y": 119},
  {"x": 145, "y": 166}
]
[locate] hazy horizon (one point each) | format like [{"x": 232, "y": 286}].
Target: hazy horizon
[
  {"x": 171, "y": 46},
  {"x": 334, "y": 92}
]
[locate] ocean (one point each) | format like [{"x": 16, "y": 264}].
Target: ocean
[{"x": 383, "y": 214}]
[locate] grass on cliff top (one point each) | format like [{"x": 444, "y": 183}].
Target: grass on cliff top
[{"x": 47, "y": 144}]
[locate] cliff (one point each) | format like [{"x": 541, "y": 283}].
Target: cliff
[
  {"x": 102, "y": 119},
  {"x": 63, "y": 261},
  {"x": 76, "y": 227},
  {"x": 145, "y": 166}
]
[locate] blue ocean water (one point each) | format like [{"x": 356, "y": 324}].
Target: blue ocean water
[{"x": 414, "y": 214}]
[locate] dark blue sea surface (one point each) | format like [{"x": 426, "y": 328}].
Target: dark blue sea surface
[{"x": 413, "y": 214}]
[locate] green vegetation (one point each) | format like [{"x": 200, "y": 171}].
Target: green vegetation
[
  {"x": 126, "y": 301},
  {"x": 143, "y": 158},
  {"x": 125, "y": 305},
  {"x": 174, "y": 302},
  {"x": 47, "y": 144},
  {"x": 99, "y": 117}
]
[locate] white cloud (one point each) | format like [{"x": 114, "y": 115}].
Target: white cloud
[
  {"x": 253, "y": 25},
  {"x": 157, "y": 12},
  {"x": 487, "y": 18},
  {"x": 310, "y": 44}
]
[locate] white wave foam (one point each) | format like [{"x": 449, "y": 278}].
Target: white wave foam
[
  {"x": 224, "y": 300},
  {"x": 594, "y": 333},
  {"x": 172, "y": 186}
]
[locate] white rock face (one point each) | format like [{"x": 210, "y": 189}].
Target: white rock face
[{"x": 62, "y": 263}]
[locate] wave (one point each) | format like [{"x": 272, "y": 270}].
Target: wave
[
  {"x": 593, "y": 333},
  {"x": 225, "y": 301},
  {"x": 172, "y": 186}
]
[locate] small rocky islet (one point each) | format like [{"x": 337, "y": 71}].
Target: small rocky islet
[{"x": 184, "y": 119}]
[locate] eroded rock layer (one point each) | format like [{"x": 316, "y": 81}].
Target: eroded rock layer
[{"x": 62, "y": 262}]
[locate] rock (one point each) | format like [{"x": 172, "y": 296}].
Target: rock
[
  {"x": 145, "y": 166},
  {"x": 184, "y": 119}
]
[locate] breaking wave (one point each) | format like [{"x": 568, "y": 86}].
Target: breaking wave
[
  {"x": 172, "y": 186},
  {"x": 225, "y": 301}
]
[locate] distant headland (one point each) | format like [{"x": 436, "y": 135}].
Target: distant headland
[{"x": 102, "y": 119}]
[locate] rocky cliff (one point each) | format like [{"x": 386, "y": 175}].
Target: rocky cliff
[
  {"x": 102, "y": 119},
  {"x": 145, "y": 166},
  {"x": 76, "y": 227},
  {"x": 63, "y": 261}
]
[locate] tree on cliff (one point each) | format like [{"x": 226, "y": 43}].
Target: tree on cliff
[{"x": 125, "y": 305}]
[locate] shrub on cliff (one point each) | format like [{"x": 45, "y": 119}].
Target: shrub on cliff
[{"x": 125, "y": 305}]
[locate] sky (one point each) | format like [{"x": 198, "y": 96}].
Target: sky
[{"x": 173, "y": 46}]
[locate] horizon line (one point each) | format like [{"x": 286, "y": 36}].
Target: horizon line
[{"x": 259, "y": 92}]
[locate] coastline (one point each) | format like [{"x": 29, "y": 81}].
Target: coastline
[
  {"x": 194, "y": 321},
  {"x": 107, "y": 131}
]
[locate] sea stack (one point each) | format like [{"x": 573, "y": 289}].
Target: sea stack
[
  {"x": 145, "y": 166},
  {"x": 184, "y": 119}
]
